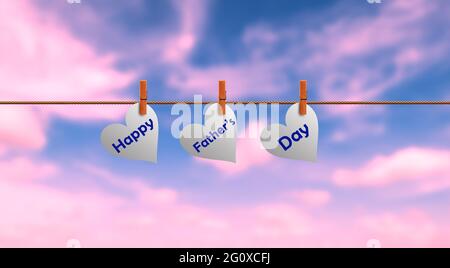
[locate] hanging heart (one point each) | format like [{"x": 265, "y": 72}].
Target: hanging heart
[
  {"x": 295, "y": 140},
  {"x": 138, "y": 140},
  {"x": 214, "y": 140}
]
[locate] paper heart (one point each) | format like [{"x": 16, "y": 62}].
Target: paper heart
[
  {"x": 295, "y": 140},
  {"x": 216, "y": 139},
  {"x": 137, "y": 140}
]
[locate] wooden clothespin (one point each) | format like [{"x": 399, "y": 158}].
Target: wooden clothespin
[
  {"x": 222, "y": 97},
  {"x": 143, "y": 97},
  {"x": 303, "y": 97}
]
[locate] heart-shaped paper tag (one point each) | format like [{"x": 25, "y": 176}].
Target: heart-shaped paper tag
[
  {"x": 138, "y": 140},
  {"x": 295, "y": 140},
  {"x": 216, "y": 139}
]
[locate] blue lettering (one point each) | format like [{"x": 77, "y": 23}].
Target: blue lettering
[
  {"x": 128, "y": 140},
  {"x": 285, "y": 147},
  {"x": 286, "y": 142},
  {"x": 117, "y": 146},
  {"x": 306, "y": 131},
  {"x": 142, "y": 129},
  {"x": 296, "y": 136},
  {"x": 205, "y": 143},
  {"x": 213, "y": 135},
  {"x": 135, "y": 134},
  {"x": 208, "y": 138},
  {"x": 150, "y": 124},
  {"x": 196, "y": 146}
]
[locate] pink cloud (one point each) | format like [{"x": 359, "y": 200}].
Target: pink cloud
[
  {"x": 403, "y": 46},
  {"x": 192, "y": 18},
  {"x": 411, "y": 228},
  {"x": 141, "y": 215},
  {"x": 325, "y": 53},
  {"x": 49, "y": 63},
  {"x": 348, "y": 58},
  {"x": 16, "y": 124},
  {"x": 249, "y": 153},
  {"x": 44, "y": 217},
  {"x": 396, "y": 39},
  {"x": 38, "y": 215},
  {"x": 426, "y": 168},
  {"x": 360, "y": 37},
  {"x": 24, "y": 169},
  {"x": 280, "y": 220},
  {"x": 312, "y": 197},
  {"x": 145, "y": 194},
  {"x": 244, "y": 79}
]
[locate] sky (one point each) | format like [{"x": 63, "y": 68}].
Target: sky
[{"x": 382, "y": 171}]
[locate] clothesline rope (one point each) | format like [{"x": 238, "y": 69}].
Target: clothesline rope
[{"x": 401, "y": 102}]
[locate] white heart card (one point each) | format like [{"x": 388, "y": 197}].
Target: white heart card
[
  {"x": 216, "y": 139},
  {"x": 138, "y": 140},
  {"x": 295, "y": 140}
]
